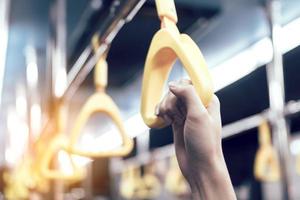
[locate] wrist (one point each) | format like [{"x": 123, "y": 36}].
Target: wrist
[
  {"x": 208, "y": 169},
  {"x": 212, "y": 178}
]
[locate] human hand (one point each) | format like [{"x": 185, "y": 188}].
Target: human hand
[{"x": 197, "y": 139}]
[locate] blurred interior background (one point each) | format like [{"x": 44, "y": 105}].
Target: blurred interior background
[{"x": 252, "y": 51}]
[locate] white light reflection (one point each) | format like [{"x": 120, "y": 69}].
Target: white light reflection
[
  {"x": 290, "y": 33},
  {"x": 65, "y": 164},
  {"x": 242, "y": 64},
  {"x": 295, "y": 147},
  {"x": 35, "y": 119},
  {"x": 32, "y": 68},
  {"x": 111, "y": 139},
  {"x": 17, "y": 139},
  {"x": 60, "y": 82},
  {"x": 32, "y": 74},
  {"x": 21, "y": 101}
]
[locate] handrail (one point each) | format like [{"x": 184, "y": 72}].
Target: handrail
[
  {"x": 266, "y": 165},
  {"x": 58, "y": 142},
  {"x": 100, "y": 102},
  {"x": 167, "y": 45}
]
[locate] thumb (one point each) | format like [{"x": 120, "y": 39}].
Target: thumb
[{"x": 187, "y": 94}]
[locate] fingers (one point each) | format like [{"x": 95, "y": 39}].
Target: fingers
[
  {"x": 214, "y": 109},
  {"x": 186, "y": 92},
  {"x": 167, "y": 109},
  {"x": 182, "y": 98}
]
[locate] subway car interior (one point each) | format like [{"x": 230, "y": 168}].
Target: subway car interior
[{"x": 80, "y": 80}]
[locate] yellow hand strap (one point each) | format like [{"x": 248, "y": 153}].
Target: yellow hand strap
[
  {"x": 149, "y": 186},
  {"x": 75, "y": 173},
  {"x": 18, "y": 182},
  {"x": 129, "y": 181},
  {"x": 135, "y": 186},
  {"x": 59, "y": 143},
  {"x": 166, "y": 8},
  {"x": 167, "y": 45},
  {"x": 266, "y": 165},
  {"x": 298, "y": 164},
  {"x": 100, "y": 102}
]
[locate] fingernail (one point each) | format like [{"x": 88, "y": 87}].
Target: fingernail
[
  {"x": 156, "y": 110},
  {"x": 172, "y": 84}
]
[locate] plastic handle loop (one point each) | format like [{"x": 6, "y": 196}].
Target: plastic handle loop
[
  {"x": 129, "y": 181},
  {"x": 149, "y": 187},
  {"x": 264, "y": 137},
  {"x": 100, "y": 102},
  {"x": 298, "y": 164},
  {"x": 266, "y": 165},
  {"x": 17, "y": 182},
  {"x": 135, "y": 186},
  {"x": 167, "y": 45},
  {"x": 75, "y": 174}
]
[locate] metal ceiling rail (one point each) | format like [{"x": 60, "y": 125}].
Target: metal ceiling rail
[
  {"x": 121, "y": 12},
  {"x": 275, "y": 78},
  {"x": 254, "y": 121},
  {"x": 235, "y": 128}
]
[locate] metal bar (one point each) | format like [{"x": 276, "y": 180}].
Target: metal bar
[
  {"x": 275, "y": 79},
  {"x": 93, "y": 7},
  {"x": 244, "y": 124},
  {"x": 254, "y": 121},
  {"x": 120, "y": 13},
  {"x": 59, "y": 73}
]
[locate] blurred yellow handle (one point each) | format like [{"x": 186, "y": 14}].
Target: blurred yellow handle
[
  {"x": 150, "y": 186},
  {"x": 100, "y": 102},
  {"x": 266, "y": 165},
  {"x": 129, "y": 181},
  {"x": 135, "y": 186},
  {"x": 298, "y": 164},
  {"x": 167, "y": 45},
  {"x": 73, "y": 173}
]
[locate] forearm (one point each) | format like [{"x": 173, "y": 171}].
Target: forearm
[{"x": 212, "y": 182}]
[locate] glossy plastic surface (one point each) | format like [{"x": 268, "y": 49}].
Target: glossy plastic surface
[
  {"x": 60, "y": 144},
  {"x": 100, "y": 102},
  {"x": 266, "y": 165},
  {"x": 166, "y": 8},
  {"x": 168, "y": 45},
  {"x": 135, "y": 186}
]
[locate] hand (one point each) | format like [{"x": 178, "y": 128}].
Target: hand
[{"x": 197, "y": 138}]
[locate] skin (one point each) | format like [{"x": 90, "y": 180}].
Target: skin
[{"x": 197, "y": 138}]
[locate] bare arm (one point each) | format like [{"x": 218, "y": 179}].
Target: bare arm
[{"x": 197, "y": 138}]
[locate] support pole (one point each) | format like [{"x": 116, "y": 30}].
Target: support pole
[
  {"x": 59, "y": 71},
  {"x": 275, "y": 78}
]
